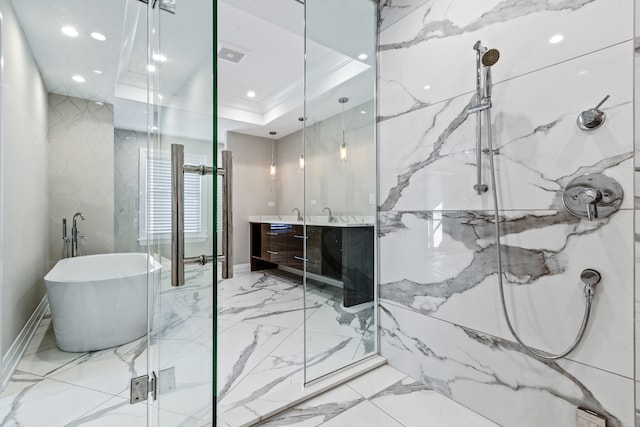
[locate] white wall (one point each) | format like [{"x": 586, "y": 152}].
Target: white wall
[
  {"x": 253, "y": 187},
  {"x": 343, "y": 187},
  {"x": 24, "y": 181},
  {"x": 290, "y": 178},
  {"x": 81, "y": 172}
]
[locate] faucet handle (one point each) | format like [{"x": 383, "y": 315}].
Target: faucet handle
[
  {"x": 592, "y": 118},
  {"x": 591, "y": 196}
]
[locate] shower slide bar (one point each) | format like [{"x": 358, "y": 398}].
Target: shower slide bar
[{"x": 178, "y": 260}]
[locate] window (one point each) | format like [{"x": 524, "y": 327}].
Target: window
[{"x": 155, "y": 198}]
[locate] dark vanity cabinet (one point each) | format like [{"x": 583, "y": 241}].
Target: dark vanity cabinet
[
  {"x": 342, "y": 254},
  {"x": 276, "y": 244}
]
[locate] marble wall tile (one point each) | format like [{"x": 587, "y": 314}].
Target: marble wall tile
[
  {"x": 495, "y": 378},
  {"x": 451, "y": 273},
  {"x": 429, "y": 155},
  {"x": 433, "y": 44},
  {"x": 81, "y": 172},
  {"x": 391, "y": 11},
  {"x": 437, "y": 251}
]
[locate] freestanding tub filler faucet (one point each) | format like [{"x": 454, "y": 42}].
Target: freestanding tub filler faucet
[{"x": 75, "y": 235}]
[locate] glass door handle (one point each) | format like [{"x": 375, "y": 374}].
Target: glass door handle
[{"x": 178, "y": 260}]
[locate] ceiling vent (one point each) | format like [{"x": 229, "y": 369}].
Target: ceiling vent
[{"x": 230, "y": 55}]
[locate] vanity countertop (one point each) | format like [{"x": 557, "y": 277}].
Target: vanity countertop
[{"x": 322, "y": 221}]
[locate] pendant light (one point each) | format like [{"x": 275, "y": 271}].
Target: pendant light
[
  {"x": 343, "y": 145},
  {"x": 272, "y": 169}
]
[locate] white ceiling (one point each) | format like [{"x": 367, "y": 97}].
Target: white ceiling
[
  {"x": 122, "y": 58},
  {"x": 269, "y": 33}
]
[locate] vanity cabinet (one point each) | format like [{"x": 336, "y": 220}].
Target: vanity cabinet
[
  {"x": 280, "y": 244},
  {"x": 337, "y": 255}
]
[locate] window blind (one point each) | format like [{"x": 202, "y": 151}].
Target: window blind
[{"x": 159, "y": 199}]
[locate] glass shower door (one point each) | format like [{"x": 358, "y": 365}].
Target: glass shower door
[
  {"x": 340, "y": 184},
  {"x": 181, "y": 133}
]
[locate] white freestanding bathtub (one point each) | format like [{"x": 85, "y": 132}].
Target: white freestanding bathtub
[{"x": 99, "y": 301}]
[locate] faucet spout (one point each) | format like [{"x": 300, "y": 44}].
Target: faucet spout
[
  {"x": 331, "y": 217},
  {"x": 75, "y": 235},
  {"x": 299, "y": 219}
]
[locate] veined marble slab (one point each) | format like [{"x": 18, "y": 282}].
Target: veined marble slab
[
  {"x": 427, "y": 56},
  {"x": 339, "y": 220},
  {"x": 430, "y": 156},
  {"x": 451, "y": 274},
  {"x": 495, "y": 378}
]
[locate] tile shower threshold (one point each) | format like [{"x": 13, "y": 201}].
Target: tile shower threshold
[{"x": 280, "y": 400}]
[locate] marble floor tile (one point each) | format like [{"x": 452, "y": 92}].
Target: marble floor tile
[
  {"x": 376, "y": 381},
  {"x": 260, "y": 328},
  {"x": 48, "y": 403},
  {"x": 317, "y": 410},
  {"x": 109, "y": 371},
  {"x": 382, "y": 397},
  {"x": 414, "y": 405},
  {"x": 246, "y": 346},
  {"x": 42, "y": 357},
  {"x": 365, "y": 413}
]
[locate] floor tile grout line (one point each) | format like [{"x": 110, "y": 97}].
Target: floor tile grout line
[
  {"x": 390, "y": 416},
  {"x": 90, "y": 410}
]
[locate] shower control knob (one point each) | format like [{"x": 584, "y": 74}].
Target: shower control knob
[
  {"x": 592, "y": 196},
  {"x": 592, "y": 118}
]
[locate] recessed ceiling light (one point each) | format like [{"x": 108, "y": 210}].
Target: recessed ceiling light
[
  {"x": 159, "y": 57},
  {"x": 97, "y": 72},
  {"x": 98, "y": 36},
  {"x": 363, "y": 56},
  {"x": 363, "y": 112},
  {"x": 556, "y": 39},
  {"x": 151, "y": 68},
  {"x": 160, "y": 96},
  {"x": 99, "y": 103},
  {"x": 427, "y": 87},
  {"x": 251, "y": 94},
  {"x": 78, "y": 79},
  {"x": 69, "y": 31}
]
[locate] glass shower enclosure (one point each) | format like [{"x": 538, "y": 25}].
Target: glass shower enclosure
[{"x": 340, "y": 184}]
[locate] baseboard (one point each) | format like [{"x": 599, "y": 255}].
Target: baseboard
[
  {"x": 11, "y": 360},
  {"x": 241, "y": 268}
]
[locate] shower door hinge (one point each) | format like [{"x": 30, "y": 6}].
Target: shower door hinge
[{"x": 142, "y": 386}]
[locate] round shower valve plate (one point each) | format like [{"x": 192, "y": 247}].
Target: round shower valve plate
[{"x": 594, "y": 191}]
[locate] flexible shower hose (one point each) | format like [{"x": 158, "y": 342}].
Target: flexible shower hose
[{"x": 588, "y": 290}]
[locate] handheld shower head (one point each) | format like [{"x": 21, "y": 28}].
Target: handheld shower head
[{"x": 490, "y": 57}]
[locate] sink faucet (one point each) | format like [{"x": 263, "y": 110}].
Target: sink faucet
[
  {"x": 75, "y": 235},
  {"x": 331, "y": 218},
  {"x": 299, "y": 219}
]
